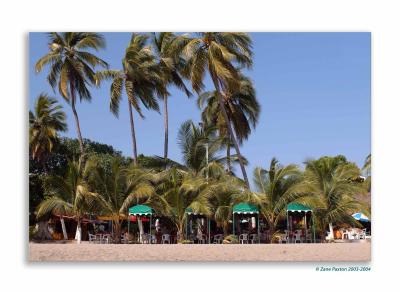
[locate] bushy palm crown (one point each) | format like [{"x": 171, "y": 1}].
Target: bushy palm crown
[
  {"x": 139, "y": 77},
  {"x": 71, "y": 63},
  {"x": 223, "y": 194},
  {"x": 192, "y": 140},
  {"x": 276, "y": 188},
  {"x": 331, "y": 186},
  {"x": 179, "y": 190},
  {"x": 217, "y": 53},
  {"x": 241, "y": 107},
  {"x": 68, "y": 195},
  {"x": 45, "y": 121},
  {"x": 170, "y": 62}
]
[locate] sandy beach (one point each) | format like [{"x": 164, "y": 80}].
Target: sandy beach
[{"x": 208, "y": 252}]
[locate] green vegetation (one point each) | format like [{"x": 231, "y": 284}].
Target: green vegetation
[{"x": 79, "y": 177}]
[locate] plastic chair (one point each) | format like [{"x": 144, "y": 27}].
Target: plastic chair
[
  {"x": 297, "y": 237},
  {"x": 253, "y": 238},
  {"x": 92, "y": 238},
  {"x": 202, "y": 239},
  {"x": 243, "y": 238},
  {"x": 106, "y": 239},
  {"x": 165, "y": 238},
  {"x": 218, "y": 239}
]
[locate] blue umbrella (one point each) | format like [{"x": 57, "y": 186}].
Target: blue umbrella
[{"x": 360, "y": 217}]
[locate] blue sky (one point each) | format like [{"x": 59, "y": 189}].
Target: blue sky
[{"x": 314, "y": 90}]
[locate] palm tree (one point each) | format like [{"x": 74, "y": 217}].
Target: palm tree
[
  {"x": 170, "y": 66},
  {"x": 331, "y": 185},
  {"x": 277, "y": 187},
  {"x": 242, "y": 109},
  {"x": 139, "y": 77},
  {"x": 68, "y": 196},
  {"x": 218, "y": 53},
  {"x": 45, "y": 121},
  {"x": 72, "y": 67},
  {"x": 223, "y": 194},
  {"x": 118, "y": 189},
  {"x": 196, "y": 143},
  {"x": 180, "y": 190}
]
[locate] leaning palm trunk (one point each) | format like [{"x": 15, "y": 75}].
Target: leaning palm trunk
[
  {"x": 132, "y": 133},
  {"x": 228, "y": 154},
  {"x": 165, "y": 128},
  {"x": 64, "y": 230},
  {"x": 78, "y": 234},
  {"x": 78, "y": 128},
  {"x": 231, "y": 134},
  {"x": 330, "y": 236}
]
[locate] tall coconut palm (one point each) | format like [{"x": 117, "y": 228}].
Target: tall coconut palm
[
  {"x": 47, "y": 119},
  {"x": 277, "y": 187},
  {"x": 72, "y": 67},
  {"x": 118, "y": 189},
  {"x": 180, "y": 190},
  {"x": 139, "y": 77},
  {"x": 68, "y": 196},
  {"x": 170, "y": 66},
  {"x": 219, "y": 54},
  {"x": 242, "y": 109},
  {"x": 331, "y": 186}
]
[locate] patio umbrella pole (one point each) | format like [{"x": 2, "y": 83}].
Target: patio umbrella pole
[
  {"x": 209, "y": 234},
  {"x": 233, "y": 224},
  {"x": 305, "y": 224},
  {"x": 151, "y": 238},
  {"x": 313, "y": 225},
  {"x": 287, "y": 226},
  {"x": 129, "y": 220},
  {"x": 258, "y": 227}
]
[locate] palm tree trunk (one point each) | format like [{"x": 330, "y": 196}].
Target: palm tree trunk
[
  {"x": 132, "y": 133},
  {"x": 64, "y": 230},
  {"x": 165, "y": 129},
  {"x": 231, "y": 134},
  {"x": 78, "y": 234},
  {"x": 117, "y": 231},
  {"x": 228, "y": 155},
  {"x": 78, "y": 128}
]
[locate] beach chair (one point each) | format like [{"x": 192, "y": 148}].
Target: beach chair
[
  {"x": 92, "y": 238},
  {"x": 362, "y": 234},
  {"x": 218, "y": 239},
  {"x": 253, "y": 238},
  {"x": 202, "y": 239},
  {"x": 106, "y": 239},
  {"x": 243, "y": 238},
  {"x": 165, "y": 238},
  {"x": 297, "y": 237}
]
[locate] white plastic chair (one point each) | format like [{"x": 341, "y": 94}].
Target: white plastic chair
[
  {"x": 243, "y": 238},
  {"x": 253, "y": 238},
  {"x": 218, "y": 239},
  {"x": 106, "y": 239},
  {"x": 297, "y": 237},
  {"x": 92, "y": 238},
  {"x": 202, "y": 239},
  {"x": 165, "y": 238}
]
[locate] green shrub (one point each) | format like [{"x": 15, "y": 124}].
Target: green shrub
[
  {"x": 185, "y": 242},
  {"x": 230, "y": 239}
]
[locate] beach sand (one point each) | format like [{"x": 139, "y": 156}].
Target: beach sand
[{"x": 194, "y": 252}]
